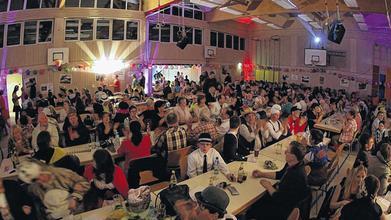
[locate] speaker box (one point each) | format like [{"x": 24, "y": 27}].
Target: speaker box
[
  {"x": 182, "y": 43},
  {"x": 336, "y": 32}
]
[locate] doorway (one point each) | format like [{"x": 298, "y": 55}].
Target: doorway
[{"x": 12, "y": 81}]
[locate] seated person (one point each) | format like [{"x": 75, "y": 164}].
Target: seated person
[
  {"x": 17, "y": 143},
  {"x": 248, "y": 133},
  {"x": 296, "y": 123},
  {"x": 365, "y": 207},
  {"x": 75, "y": 132},
  {"x": 204, "y": 126},
  {"x": 135, "y": 145},
  {"x": 216, "y": 201},
  {"x": 366, "y": 144},
  {"x": 315, "y": 115},
  {"x": 16, "y": 203},
  {"x": 106, "y": 178},
  {"x": 292, "y": 188},
  {"x": 276, "y": 129},
  {"x": 44, "y": 125},
  {"x": 120, "y": 116},
  {"x": 379, "y": 167},
  {"x": 154, "y": 118},
  {"x": 174, "y": 138},
  {"x": 183, "y": 111},
  {"x": 316, "y": 158},
  {"x": 223, "y": 127},
  {"x": 41, "y": 178},
  {"x": 26, "y": 123},
  {"x": 231, "y": 145},
  {"x": 350, "y": 189},
  {"x": 133, "y": 116},
  {"x": 201, "y": 160},
  {"x": 348, "y": 130},
  {"x": 381, "y": 133},
  {"x": 105, "y": 128},
  {"x": 46, "y": 152}
]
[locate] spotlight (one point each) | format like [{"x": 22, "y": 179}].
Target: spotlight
[{"x": 317, "y": 40}]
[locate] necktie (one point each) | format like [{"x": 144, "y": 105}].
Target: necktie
[{"x": 205, "y": 166}]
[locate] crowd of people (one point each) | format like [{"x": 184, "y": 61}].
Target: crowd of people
[{"x": 223, "y": 120}]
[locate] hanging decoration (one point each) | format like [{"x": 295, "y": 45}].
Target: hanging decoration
[{"x": 247, "y": 67}]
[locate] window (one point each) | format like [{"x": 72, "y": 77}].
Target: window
[
  {"x": 71, "y": 3},
  {"x": 176, "y": 11},
  {"x": 1, "y": 35},
  {"x": 236, "y": 43},
  {"x": 119, "y": 4},
  {"x": 242, "y": 44},
  {"x": 228, "y": 41},
  {"x": 32, "y": 4},
  {"x": 153, "y": 32},
  {"x": 166, "y": 11},
  {"x": 220, "y": 38},
  {"x": 45, "y": 31},
  {"x": 30, "y": 32},
  {"x": 3, "y": 6},
  {"x": 198, "y": 15},
  {"x": 71, "y": 29},
  {"x": 13, "y": 34},
  {"x": 48, "y": 4},
  {"x": 87, "y": 3},
  {"x": 165, "y": 33},
  {"x": 102, "y": 29},
  {"x": 189, "y": 34},
  {"x": 16, "y": 5},
  {"x": 213, "y": 39},
  {"x": 86, "y": 29},
  {"x": 133, "y": 4},
  {"x": 198, "y": 36},
  {"x": 131, "y": 30},
  {"x": 118, "y": 30},
  {"x": 103, "y": 3},
  {"x": 176, "y": 31},
  {"x": 188, "y": 13}
]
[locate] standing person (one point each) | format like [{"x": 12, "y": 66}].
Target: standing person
[
  {"x": 116, "y": 84},
  {"x": 15, "y": 101},
  {"x": 142, "y": 80}
]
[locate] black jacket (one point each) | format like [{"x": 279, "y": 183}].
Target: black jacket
[
  {"x": 84, "y": 136},
  {"x": 230, "y": 148}
]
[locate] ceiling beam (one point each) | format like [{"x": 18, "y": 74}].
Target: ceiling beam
[{"x": 268, "y": 7}]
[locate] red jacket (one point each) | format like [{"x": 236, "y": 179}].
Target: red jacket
[
  {"x": 119, "y": 180},
  {"x": 132, "y": 152},
  {"x": 294, "y": 125}
]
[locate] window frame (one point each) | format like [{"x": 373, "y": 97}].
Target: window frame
[
  {"x": 21, "y": 33},
  {"x": 93, "y": 29},
  {"x": 240, "y": 43},
  {"x": 210, "y": 38},
  {"x": 110, "y": 29},
  {"x": 202, "y": 36},
  {"x": 36, "y": 32},
  {"x": 78, "y": 29},
  {"x": 2, "y": 46},
  {"x": 138, "y": 30},
  {"x": 51, "y": 40}
]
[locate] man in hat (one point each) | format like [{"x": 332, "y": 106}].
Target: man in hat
[
  {"x": 276, "y": 129},
  {"x": 296, "y": 124},
  {"x": 248, "y": 133},
  {"x": 216, "y": 201},
  {"x": 201, "y": 160},
  {"x": 44, "y": 125}
]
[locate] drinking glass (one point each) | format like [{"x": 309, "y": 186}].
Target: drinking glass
[{"x": 117, "y": 201}]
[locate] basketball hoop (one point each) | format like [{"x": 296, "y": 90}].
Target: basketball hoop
[
  {"x": 57, "y": 63},
  {"x": 314, "y": 62}
]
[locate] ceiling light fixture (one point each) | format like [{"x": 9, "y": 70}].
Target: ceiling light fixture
[
  {"x": 304, "y": 17},
  {"x": 205, "y": 3},
  {"x": 258, "y": 20},
  {"x": 274, "y": 26},
  {"x": 231, "y": 11},
  {"x": 359, "y": 17},
  {"x": 315, "y": 25},
  {"x": 351, "y": 3},
  {"x": 287, "y": 4}
]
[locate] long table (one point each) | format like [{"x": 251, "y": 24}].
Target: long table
[
  {"x": 249, "y": 191},
  {"x": 334, "y": 123}
]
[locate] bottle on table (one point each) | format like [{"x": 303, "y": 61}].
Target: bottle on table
[
  {"x": 241, "y": 173},
  {"x": 216, "y": 166},
  {"x": 116, "y": 139},
  {"x": 173, "y": 180}
]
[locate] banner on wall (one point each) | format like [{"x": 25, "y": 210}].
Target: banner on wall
[
  {"x": 65, "y": 79},
  {"x": 29, "y": 81},
  {"x": 44, "y": 88},
  {"x": 344, "y": 83},
  {"x": 305, "y": 79},
  {"x": 321, "y": 80}
]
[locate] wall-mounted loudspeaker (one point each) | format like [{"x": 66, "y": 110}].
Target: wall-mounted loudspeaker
[{"x": 336, "y": 32}]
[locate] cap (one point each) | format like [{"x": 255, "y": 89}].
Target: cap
[
  {"x": 214, "y": 199},
  {"x": 204, "y": 138}
]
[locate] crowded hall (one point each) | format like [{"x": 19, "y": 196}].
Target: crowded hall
[{"x": 195, "y": 109}]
